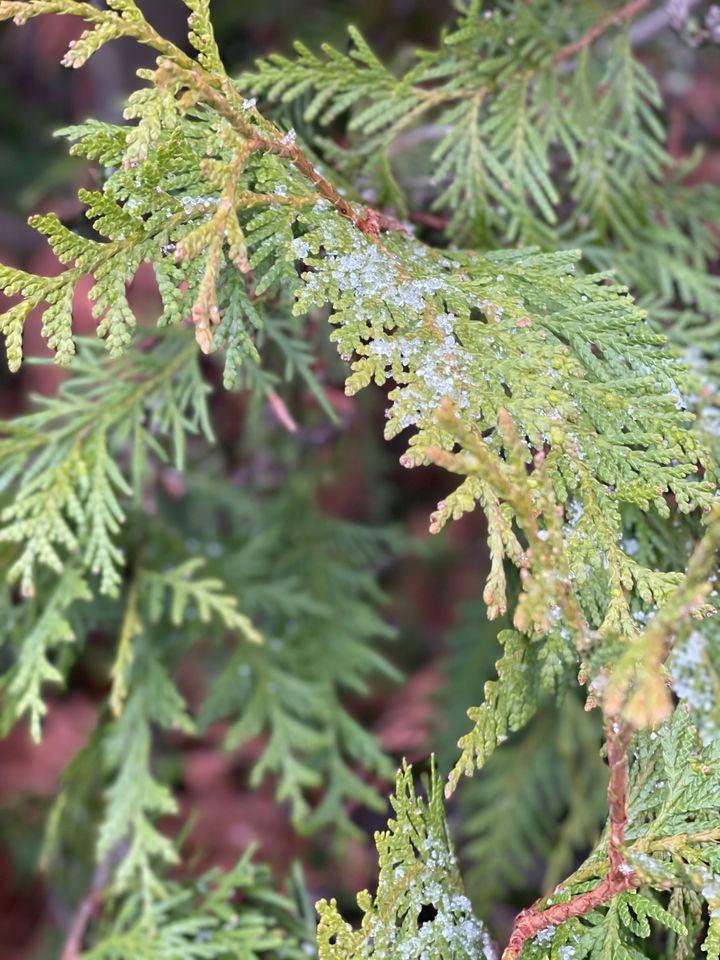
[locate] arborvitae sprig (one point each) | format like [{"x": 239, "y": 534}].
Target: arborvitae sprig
[
  {"x": 670, "y": 857},
  {"x": 39, "y": 629},
  {"x": 66, "y": 460},
  {"x": 544, "y": 388},
  {"x": 533, "y": 137},
  {"x": 420, "y": 908},
  {"x": 521, "y": 132},
  {"x": 236, "y": 914},
  {"x": 670, "y": 849},
  {"x": 312, "y": 589},
  {"x": 508, "y": 351}
]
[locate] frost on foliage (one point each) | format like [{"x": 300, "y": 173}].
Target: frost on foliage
[
  {"x": 671, "y": 843},
  {"x": 506, "y": 115},
  {"x": 507, "y": 332},
  {"x": 569, "y": 359},
  {"x": 693, "y": 666},
  {"x": 491, "y": 355},
  {"x": 543, "y": 388},
  {"x": 420, "y": 910}
]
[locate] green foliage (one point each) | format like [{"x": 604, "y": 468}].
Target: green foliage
[
  {"x": 63, "y": 459},
  {"x": 134, "y": 798},
  {"x": 671, "y": 843},
  {"x": 43, "y": 629},
  {"x": 312, "y": 589},
  {"x": 672, "y": 846},
  {"x": 503, "y": 115},
  {"x": 179, "y": 593},
  {"x": 525, "y": 369},
  {"x": 308, "y": 641},
  {"x": 420, "y": 909},
  {"x": 302, "y": 577},
  {"x": 236, "y": 914}
]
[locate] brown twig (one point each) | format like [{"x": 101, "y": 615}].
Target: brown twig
[
  {"x": 432, "y": 220},
  {"x": 369, "y": 221},
  {"x": 270, "y": 140},
  {"x": 78, "y": 925},
  {"x": 618, "y": 735},
  {"x": 529, "y": 923},
  {"x": 620, "y": 877},
  {"x": 616, "y": 18}
]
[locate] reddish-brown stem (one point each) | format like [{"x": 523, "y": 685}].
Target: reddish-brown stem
[
  {"x": 73, "y": 946},
  {"x": 432, "y": 220},
  {"x": 620, "y": 877},
  {"x": 529, "y": 923},
  {"x": 616, "y": 18},
  {"x": 619, "y": 735},
  {"x": 368, "y": 221}
]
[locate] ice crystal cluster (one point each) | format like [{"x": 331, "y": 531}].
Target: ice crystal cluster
[
  {"x": 420, "y": 908},
  {"x": 550, "y": 341}
]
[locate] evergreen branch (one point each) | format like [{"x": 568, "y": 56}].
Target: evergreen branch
[
  {"x": 620, "y": 877},
  {"x": 233, "y": 913},
  {"x": 307, "y": 585},
  {"x": 69, "y": 495},
  {"x": 274, "y": 141},
  {"x": 123, "y": 19},
  {"x": 641, "y": 664},
  {"x": 543, "y": 390},
  {"x": 22, "y": 685},
  {"x": 418, "y": 870},
  {"x": 215, "y": 88},
  {"x": 672, "y": 840},
  {"x": 614, "y": 19},
  {"x": 134, "y": 796},
  {"x": 178, "y": 591}
]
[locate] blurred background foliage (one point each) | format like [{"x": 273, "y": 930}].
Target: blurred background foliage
[{"x": 549, "y": 781}]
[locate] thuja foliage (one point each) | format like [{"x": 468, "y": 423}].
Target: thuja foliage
[
  {"x": 233, "y": 914},
  {"x": 418, "y": 871},
  {"x": 548, "y": 341}
]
